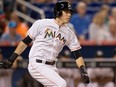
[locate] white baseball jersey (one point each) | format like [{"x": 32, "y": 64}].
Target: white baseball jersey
[{"x": 49, "y": 39}]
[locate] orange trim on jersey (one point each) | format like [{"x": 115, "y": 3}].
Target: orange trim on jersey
[
  {"x": 55, "y": 22},
  {"x": 42, "y": 75},
  {"x": 75, "y": 48},
  {"x": 30, "y": 35}
]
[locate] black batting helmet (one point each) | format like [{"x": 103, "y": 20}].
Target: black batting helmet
[{"x": 61, "y": 6}]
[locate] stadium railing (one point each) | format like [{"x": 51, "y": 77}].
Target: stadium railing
[{"x": 30, "y": 6}]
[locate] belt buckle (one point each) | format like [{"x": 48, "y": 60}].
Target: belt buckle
[{"x": 44, "y": 61}]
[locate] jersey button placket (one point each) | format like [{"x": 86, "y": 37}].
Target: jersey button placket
[{"x": 54, "y": 42}]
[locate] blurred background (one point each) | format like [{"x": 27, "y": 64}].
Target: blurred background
[{"x": 94, "y": 23}]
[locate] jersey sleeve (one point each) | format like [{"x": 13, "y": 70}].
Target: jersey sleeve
[
  {"x": 73, "y": 42},
  {"x": 34, "y": 29}
]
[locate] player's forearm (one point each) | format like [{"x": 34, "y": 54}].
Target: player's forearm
[
  {"x": 80, "y": 62},
  {"x": 20, "y": 48}
]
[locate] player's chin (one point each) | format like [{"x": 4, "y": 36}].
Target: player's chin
[{"x": 66, "y": 21}]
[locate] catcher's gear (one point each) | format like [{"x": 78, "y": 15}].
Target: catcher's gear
[
  {"x": 61, "y": 6},
  {"x": 84, "y": 74},
  {"x": 5, "y": 64}
]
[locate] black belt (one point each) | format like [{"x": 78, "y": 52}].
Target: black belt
[{"x": 45, "y": 62}]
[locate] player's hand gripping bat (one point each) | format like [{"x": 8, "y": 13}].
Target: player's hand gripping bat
[
  {"x": 5, "y": 64},
  {"x": 84, "y": 74}
]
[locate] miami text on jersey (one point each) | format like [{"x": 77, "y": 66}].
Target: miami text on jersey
[{"x": 52, "y": 34}]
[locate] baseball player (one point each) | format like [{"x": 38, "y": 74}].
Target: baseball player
[{"x": 49, "y": 36}]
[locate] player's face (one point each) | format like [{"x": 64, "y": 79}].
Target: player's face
[{"x": 66, "y": 16}]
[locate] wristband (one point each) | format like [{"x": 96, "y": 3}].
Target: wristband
[
  {"x": 83, "y": 69},
  {"x": 13, "y": 57}
]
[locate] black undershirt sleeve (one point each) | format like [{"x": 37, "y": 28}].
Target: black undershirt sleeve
[
  {"x": 27, "y": 40},
  {"x": 76, "y": 54}
]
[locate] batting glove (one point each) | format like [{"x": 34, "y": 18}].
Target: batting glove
[
  {"x": 5, "y": 64},
  {"x": 84, "y": 74}
]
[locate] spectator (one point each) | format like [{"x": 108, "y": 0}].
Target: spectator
[
  {"x": 81, "y": 20},
  {"x": 112, "y": 30},
  {"x": 113, "y": 14},
  {"x": 11, "y": 38},
  {"x": 21, "y": 26},
  {"x": 98, "y": 27},
  {"x": 107, "y": 35},
  {"x": 8, "y": 7},
  {"x": 106, "y": 9}
]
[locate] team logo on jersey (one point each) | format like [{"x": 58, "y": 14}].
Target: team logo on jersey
[
  {"x": 52, "y": 34},
  {"x": 49, "y": 33}
]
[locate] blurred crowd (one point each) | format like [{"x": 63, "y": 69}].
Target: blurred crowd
[
  {"x": 93, "y": 21},
  {"x": 100, "y": 77},
  {"x": 96, "y": 27},
  {"x": 99, "y": 28}
]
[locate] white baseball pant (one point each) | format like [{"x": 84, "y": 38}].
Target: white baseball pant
[{"x": 46, "y": 74}]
